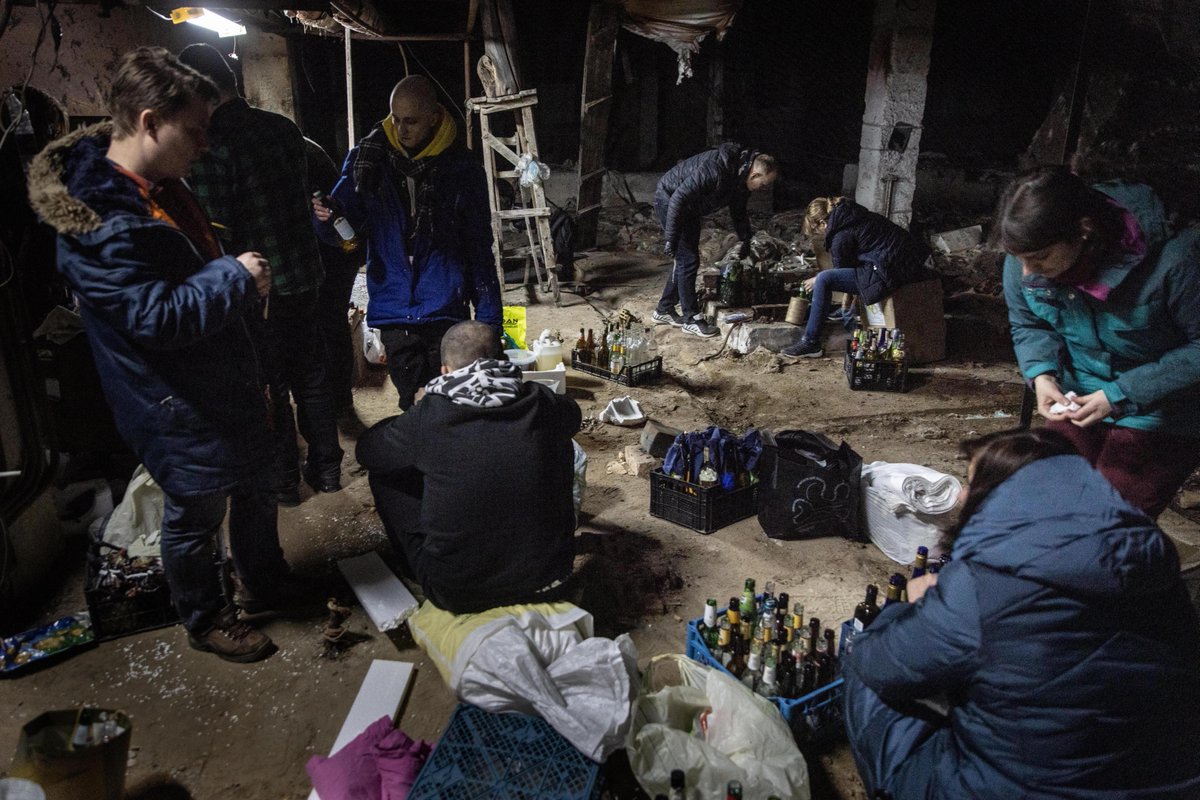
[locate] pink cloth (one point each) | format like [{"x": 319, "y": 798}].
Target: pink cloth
[
  {"x": 1132, "y": 241},
  {"x": 381, "y": 763}
]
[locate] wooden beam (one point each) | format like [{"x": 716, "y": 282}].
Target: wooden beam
[
  {"x": 500, "y": 44},
  {"x": 604, "y": 21}
]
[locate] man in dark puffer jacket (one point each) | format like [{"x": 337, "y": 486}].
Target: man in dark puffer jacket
[
  {"x": 692, "y": 188},
  {"x": 437, "y": 470}
]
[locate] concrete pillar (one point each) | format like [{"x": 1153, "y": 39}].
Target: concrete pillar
[
  {"x": 266, "y": 72},
  {"x": 895, "y": 107}
]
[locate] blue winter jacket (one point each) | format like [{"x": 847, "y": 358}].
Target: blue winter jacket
[
  {"x": 1064, "y": 638},
  {"x": 1141, "y": 346},
  {"x": 172, "y": 335},
  {"x": 438, "y": 273},
  {"x": 883, "y": 255}
]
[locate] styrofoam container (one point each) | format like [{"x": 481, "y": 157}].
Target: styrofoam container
[
  {"x": 522, "y": 358},
  {"x": 555, "y": 378}
]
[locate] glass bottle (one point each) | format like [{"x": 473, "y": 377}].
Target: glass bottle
[
  {"x": 708, "y": 628},
  {"x": 678, "y": 785},
  {"x": 708, "y": 471},
  {"x": 920, "y": 563},
  {"x": 895, "y": 589},
  {"x": 866, "y": 611},
  {"x": 602, "y": 352},
  {"x": 340, "y": 224},
  {"x": 581, "y": 348},
  {"x": 733, "y": 791},
  {"x": 748, "y": 601}
]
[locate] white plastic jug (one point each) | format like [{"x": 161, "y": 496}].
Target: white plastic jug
[{"x": 548, "y": 351}]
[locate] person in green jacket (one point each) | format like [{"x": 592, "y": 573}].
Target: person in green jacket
[{"x": 1104, "y": 304}]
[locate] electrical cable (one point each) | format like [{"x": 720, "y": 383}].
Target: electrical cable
[
  {"x": 435, "y": 80},
  {"x": 155, "y": 13}
]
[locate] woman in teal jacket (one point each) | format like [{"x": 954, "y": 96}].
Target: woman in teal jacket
[{"x": 1105, "y": 303}]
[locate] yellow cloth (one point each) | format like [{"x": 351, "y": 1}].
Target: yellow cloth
[
  {"x": 442, "y": 634},
  {"x": 443, "y": 138}
]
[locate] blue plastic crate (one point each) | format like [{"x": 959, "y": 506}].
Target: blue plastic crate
[
  {"x": 504, "y": 757},
  {"x": 815, "y": 718}
]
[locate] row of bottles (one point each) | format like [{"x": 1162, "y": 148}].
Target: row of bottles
[
  {"x": 733, "y": 790},
  {"x": 622, "y": 344},
  {"x": 768, "y": 646},
  {"x": 872, "y": 344},
  {"x": 895, "y": 592}
]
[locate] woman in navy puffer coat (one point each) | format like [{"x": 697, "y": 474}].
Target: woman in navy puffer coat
[
  {"x": 1061, "y": 636},
  {"x": 872, "y": 257}
]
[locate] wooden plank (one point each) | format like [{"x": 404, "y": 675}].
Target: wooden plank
[
  {"x": 500, "y": 44},
  {"x": 604, "y": 22},
  {"x": 381, "y": 694},
  {"x": 385, "y": 599},
  {"x": 524, "y": 213},
  {"x": 500, "y": 147}
]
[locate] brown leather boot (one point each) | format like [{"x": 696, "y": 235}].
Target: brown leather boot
[{"x": 233, "y": 640}]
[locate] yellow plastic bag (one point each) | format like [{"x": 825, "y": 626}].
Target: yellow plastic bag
[{"x": 514, "y": 327}]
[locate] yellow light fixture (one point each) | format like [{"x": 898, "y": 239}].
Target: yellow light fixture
[{"x": 211, "y": 20}]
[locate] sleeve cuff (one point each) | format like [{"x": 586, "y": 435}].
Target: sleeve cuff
[{"x": 1122, "y": 406}]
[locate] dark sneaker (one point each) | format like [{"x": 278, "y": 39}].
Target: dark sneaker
[
  {"x": 327, "y": 480},
  {"x": 700, "y": 327},
  {"x": 838, "y": 314},
  {"x": 667, "y": 318},
  {"x": 233, "y": 640},
  {"x": 803, "y": 349}
]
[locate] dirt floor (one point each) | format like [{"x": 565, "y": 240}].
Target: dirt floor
[{"x": 229, "y": 731}]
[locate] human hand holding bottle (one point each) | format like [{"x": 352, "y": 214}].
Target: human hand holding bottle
[
  {"x": 321, "y": 211},
  {"x": 259, "y": 269}
]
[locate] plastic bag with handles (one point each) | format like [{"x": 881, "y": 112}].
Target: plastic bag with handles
[{"x": 743, "y": 737}]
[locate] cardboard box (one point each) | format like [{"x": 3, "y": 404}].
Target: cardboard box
[{"x": 916, "y": 309}]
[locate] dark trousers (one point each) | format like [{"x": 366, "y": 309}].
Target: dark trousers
[
  {"x": 1145, "y": 467},
  {"x": 414, "y": 355},
  {"x": 398, "y": 503},
  {"x": 332, "y": 308},
  {"x": 191, "y": 556},
  {"x": 681, "y": 283},
  {"x": 827, "y": 282},
  {"x": 296, "y": 369}
]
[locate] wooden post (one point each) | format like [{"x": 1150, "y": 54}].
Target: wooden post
[
  {"x": 352, "y": 139},
  {"x": 595, "y": 106}
]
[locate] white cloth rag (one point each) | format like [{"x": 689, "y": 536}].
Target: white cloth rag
[{"x": 914, "y": 487}]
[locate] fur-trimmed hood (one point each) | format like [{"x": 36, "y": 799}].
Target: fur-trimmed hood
[{"x": 73, "y": 186}]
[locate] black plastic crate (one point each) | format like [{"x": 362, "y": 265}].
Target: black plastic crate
[
  {"x": 506, "y": 756},
  {"x": 635, "y": 375},
  {"x": 115, "y": 614},
  {"x": 701, "y": 508},
  {"x": 875, "y": 376}
]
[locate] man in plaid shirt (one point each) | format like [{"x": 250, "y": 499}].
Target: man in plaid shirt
[{"x": 252, "y": 184}]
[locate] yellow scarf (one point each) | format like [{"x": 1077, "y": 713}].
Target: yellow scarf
[{"x": 443, "y": 138}]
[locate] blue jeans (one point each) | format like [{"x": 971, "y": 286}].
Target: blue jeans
[
  {"x": 896, "y": 751},
  {"x": 191, "y": 558},
  {"x": 681, "y": 284},
  {"x": 828, "y": 281}
]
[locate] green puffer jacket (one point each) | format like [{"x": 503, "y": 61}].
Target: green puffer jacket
[{"x": 1141, "y": 346}]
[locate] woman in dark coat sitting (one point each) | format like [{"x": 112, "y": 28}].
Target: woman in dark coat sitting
[
  {"x": 1061, "y": 635},
  {"x": 872, "y": 257}
]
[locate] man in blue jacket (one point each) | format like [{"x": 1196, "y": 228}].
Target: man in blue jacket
[
  {"x": 688, "y": 191},
  {"x": 173, "y": 325},
  {"x": 420, "y": 202}
]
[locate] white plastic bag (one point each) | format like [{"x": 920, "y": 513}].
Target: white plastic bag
[
  {"x": 136, "y": 523},
  {"x": 372, "y": 346},
  {"x": 906, "y": 506},
  {"x": 746, "y": 738}
]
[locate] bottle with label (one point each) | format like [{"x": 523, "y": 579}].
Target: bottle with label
[
  {"x": 748, "y": 599},
  {"x": 581, "y": 347},
  {"x": 920, "y": 563},
  {"x": 340, "y": 224},
  {"x": 708, "y": 471},
  {"x": 708, "y": 628},
  {"x": 866, "y": 611},
  {"x": 767, "y": 687},
  {"x": 895, "y": 590}
]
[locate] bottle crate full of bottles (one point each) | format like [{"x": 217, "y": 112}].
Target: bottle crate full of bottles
[
  {"x": 876, "y": 361},
  {"x": 764, "y": 641},
  {"x": 704, "y": 509},
  {"x": 625, "y": 352}
]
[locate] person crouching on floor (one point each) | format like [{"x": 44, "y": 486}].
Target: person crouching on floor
[
  {"x": 473, "y": 483},
  {"x": 1061, "y": 635}
]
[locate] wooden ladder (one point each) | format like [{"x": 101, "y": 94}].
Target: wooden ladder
[{"x": 535, "y": 212}]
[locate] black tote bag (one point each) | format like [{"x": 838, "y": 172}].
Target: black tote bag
[{"x": 808, "y": 487}]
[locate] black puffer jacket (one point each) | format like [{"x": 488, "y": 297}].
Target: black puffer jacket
[
  {"x": 704, "y": 183},
  {"x": 884, "y": 255},
  {"x": 497, "y": 522}
]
